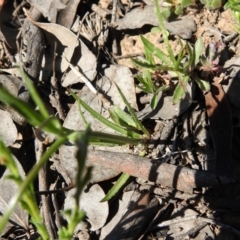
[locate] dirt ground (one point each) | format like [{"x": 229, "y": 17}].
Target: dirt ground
[{"x": 185, "y": 185}]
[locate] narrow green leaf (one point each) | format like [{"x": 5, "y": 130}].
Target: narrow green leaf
[
  {"x": 181, "y": 89},
  {"x": 198, "y": 47},
  {"x": 36, "y": 119},
  {"x": 145, "y": 84},
  {"x": 81, "y": 143},
  {"x": 117, "y": 186},
  {"x": 166, "y": 13},
  {"x": 180, "y": 55},
  {"x": 34, "y": 94},
  {"x": 29, "y": 179},
  {"x": 178, "y": 10},
  {"x": 156, "y": 51},
  {"x": 103, "y": 120},
  {"x": 203, "y": 85},
  {"x": 178, "y": 94},
  {"x": 155, "y": 30},
  {"x": 212, "y": 4},
  {"x": 121, "y": 117},
  {"x": 154, "y": 101},
  {"x": 7, "y": 159},
  {"x": 143, "y": 64},
  {"x": 191, "y": 58},
  {"x": 100, "y": 137},
  {"x": 186, "y": 3},
  {"x": 133, "y": 114}
]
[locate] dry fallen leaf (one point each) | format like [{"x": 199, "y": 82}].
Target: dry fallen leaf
[
  {"x": 182, "y": 226},
  {"x": 165, "y": 109},
  {"x": 123, "y": 77},
  {"x": 67, "y": 15},
  {"x": 124, "y": 202},
  {"x": 48, "y": 8},
  {"x": 8, "y": 190},
  {"x": 69, "y": 47},
  {"x": 96, "y": 211},
  {"x": 8, "y": 130},
  {"x": 138, "y": 17}
]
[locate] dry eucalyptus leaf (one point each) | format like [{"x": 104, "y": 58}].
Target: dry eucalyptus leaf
[
  {"x": 8, "y": 189},
  {"x": 124, "y": 203},
  {"x": 138, "y": 17},
  {"x": 182, "y": 226},
  {"x": 123, "y": 77},
  {"x": 206, "y": 231},
  {"x": 96, "y": 211},
  {"x": 48, "y": 8},
  {"x": 17, "y": 88},
  {"x": 8, "y": 130},
  {"x": 71, "y": 48},
  {"x": 165, "y": 108},
  {"x": 66, "y": 16}
]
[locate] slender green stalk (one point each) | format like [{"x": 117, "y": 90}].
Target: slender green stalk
[{"x": 26, "y": 183}]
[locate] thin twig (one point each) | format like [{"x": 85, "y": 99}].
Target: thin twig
[
  {"x": 56, "y": 207},
  {"x": 89, "y": 85},
  {"x": 39, "y": 148},
  {"x": 129, "y": 56},
  {"x": 55, "y": 96}
]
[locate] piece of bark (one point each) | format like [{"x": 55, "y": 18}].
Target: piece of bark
[
  {"x": 180, "y": 178},
  {"x": 33, "y": 43},
  {"x": 18, "y": 89},
  {"x": 220, "y": 118}
]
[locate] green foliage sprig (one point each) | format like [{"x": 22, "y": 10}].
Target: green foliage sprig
[
  {"x": 181, "y": 66},
  {"x": 50, "y": 124},
  {"x": 170, "y": 7}
]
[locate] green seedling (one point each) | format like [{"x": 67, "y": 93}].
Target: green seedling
[
  {"x": 154, "y": 76},
  {"x": 176, "y": 7},
  {"x": 123, "y": 123},
  {"x": 234, "y": 5},
  {"x": 41, "y": 119}
]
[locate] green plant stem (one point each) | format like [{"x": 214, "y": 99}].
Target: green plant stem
[
  {"x": 165, "y": 34},
  {"x": 29, "y": 179},
  {"x": 113, "y": 139}
]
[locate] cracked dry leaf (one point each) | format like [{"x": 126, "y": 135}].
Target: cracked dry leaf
[{"x": 69, "y": 47}]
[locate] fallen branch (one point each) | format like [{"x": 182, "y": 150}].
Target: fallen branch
[{"x": 180, "y": 178}]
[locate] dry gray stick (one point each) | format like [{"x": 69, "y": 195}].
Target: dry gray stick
[
  {"x": 197, "y": 228},
  {"x": 54, "y": 96},
  {"x": 56, "y": 207},
  {"x": 99, "y": 10},
  {"x": 47, "y": 216}
]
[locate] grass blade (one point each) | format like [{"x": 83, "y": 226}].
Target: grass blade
[
  {"x": 34, "y": 94},
  {"x": 117, "y": 186},
  {"x": 103, "y": 120},
  {"x": 156, "y": 51},
  {"x": 131, "y": 111}
]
